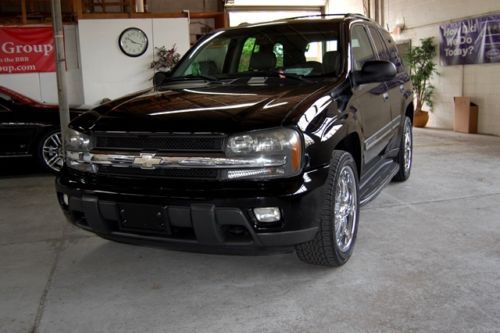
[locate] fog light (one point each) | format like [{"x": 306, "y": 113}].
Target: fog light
[
  {"x": 267, "y": 214},
  {"x": 65, "y": 199}
]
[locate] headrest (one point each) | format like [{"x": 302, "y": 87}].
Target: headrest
[
  {"x": 331, "y": 62},
  {"x": 265, "y": 59}
]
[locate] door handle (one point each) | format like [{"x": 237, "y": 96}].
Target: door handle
[{"x": 385, "y": 96}]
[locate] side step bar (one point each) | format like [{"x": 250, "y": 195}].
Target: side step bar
[{"x": 371, "y": 187}]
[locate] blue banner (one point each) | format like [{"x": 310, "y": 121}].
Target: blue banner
[{"x": 471, "y": 41}]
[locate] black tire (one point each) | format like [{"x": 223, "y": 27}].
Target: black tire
[
  {"x": 45, "y": 161},
  {"x": 404, "y": 170},
  {"x": 323, "y": 249}
]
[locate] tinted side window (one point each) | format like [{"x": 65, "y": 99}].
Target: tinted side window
[
  {"x": 393, "y": 51},
  {"x": 361, "y": 48},
  {"x": 379, "y": 44}
]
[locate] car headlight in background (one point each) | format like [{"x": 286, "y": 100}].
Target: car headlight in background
[
  {"x": 273, "y": 153},
  {"x": 78, "y": 146}
]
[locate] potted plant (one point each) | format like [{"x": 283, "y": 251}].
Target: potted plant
[{"x": 422, "y": 67}]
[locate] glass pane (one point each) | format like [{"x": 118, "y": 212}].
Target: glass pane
[
  {"x": 211, "y": 61},
  {"x": 379, "y": 44},
  {"x": 361, "y": 48},
  {"x": 298, "y": 48},
  {"x": 246, "y": 54}
]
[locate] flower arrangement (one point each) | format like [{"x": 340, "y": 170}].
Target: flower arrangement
[{"x": 166, "y": 59}]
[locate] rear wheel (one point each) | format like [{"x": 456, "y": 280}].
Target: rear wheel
[
  {"x": 334, "y": 242},
  {"x": 49, "y": 151},
  {"x": 405, "y": 156}
]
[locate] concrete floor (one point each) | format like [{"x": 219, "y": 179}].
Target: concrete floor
[{"x": 427, "y": 259}]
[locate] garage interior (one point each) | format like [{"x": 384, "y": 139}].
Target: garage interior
[{"x": 427, "y": 256}]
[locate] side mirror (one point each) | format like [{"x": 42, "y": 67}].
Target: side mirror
[
  {"x": 160, "y": 77},
  {"x": 375, "y": 71}
]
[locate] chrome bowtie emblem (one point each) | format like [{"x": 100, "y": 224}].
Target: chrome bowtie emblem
[{"x": 147, "y": 161}]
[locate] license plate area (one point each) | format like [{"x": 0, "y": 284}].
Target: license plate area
[{"x": 144, "y": 218}]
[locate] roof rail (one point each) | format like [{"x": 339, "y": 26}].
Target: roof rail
[{"x": 354, "y": 15}]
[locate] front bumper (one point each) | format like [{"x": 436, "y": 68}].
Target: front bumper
[{"x": 219, "y": 221}]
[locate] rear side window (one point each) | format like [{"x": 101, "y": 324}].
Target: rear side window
[
  {"x": 379, "y": 44},
  {"x": 361, "y": 48},
  {"x": 394, "y": 56}
]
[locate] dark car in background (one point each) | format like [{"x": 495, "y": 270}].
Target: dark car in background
[
  {"x": 264, "y": 137},
  {"x": 30, "y": 129}
]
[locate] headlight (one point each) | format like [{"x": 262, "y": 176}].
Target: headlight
[
  {"x": 78, "y": 146},
  {"x": 273, "y": 153}
]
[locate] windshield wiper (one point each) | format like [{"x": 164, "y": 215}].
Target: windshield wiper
[
  {"x": 291, "y": 76},
  {"x": 193, "y": 77},
  {"x": 279, "y": 74}
]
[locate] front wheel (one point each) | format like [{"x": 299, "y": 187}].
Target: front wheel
[
  {"x": 405, "y": 155},
  {"x": 49, "y": 151},
  {"x": 334, "y": 242}
]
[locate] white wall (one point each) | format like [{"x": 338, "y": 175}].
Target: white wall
[
  {"x": 96, "y": 67},
  {"x": 482, "y": 82},
  {"x": 106, "y": 71},
  {"x": 344, "y": 6},
  {"x": 278, "y": 3},
  {"x": 43, "y": 86}
]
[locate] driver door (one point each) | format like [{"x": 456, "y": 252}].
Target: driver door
[{"x": 370, "y": 101}]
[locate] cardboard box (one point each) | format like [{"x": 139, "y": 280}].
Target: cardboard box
[{"x": 465, "y": 115}]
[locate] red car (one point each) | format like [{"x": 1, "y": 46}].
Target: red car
[{"x": 30, "y": 128}]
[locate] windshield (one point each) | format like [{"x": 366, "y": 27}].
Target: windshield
[{"x": 304, "y": 49}]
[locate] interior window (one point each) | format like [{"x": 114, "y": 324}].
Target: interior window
[
  {"x": 278, "y": 51},
  {"x": 246, "y": 54},
  {"x": 361, "y": 47},
  {"x": 314, "y": 51}
]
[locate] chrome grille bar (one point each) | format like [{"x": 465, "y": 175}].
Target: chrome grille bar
[{"x": 153, "y": 161}]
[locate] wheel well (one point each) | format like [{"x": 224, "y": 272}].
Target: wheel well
[
  {"x": 409, "y": 112},
  {"x": 351, "y": 144}
]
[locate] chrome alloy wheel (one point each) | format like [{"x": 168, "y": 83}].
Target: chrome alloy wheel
[
  {"x": 52, "y": 151},
  {"x": 345, "y": 208},
  {"x": 408, "y": 146}
]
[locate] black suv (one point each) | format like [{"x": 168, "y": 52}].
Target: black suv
[{"x": 264, "y": 137}]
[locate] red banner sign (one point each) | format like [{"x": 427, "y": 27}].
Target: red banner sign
[{"x": 26, "y": 50}]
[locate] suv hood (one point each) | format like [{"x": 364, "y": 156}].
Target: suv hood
[{"x": 212, "y": 108}]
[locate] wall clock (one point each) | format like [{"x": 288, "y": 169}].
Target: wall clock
[{"x": 133, "y": 42}]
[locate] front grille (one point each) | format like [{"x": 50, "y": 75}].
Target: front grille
[
  {"x": 167, "y": 173},
  {"x": 165, "y": 142}
]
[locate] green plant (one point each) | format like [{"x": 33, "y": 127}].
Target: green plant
[
  {"x": 422, "y": 67},
  {"x": 166, "y": 59}
]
